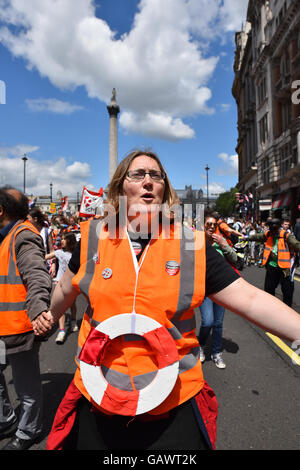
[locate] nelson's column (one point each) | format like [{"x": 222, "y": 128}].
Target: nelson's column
[{"x": 113, "y": 110}]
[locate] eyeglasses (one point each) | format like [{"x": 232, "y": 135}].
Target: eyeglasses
[
  {"x": 139, "y": 175},
  {"x": 210, "y": 224}
]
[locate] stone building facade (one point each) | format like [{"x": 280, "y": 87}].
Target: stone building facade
[
  {"x": 266, "y": 84},
  {"x": 43, "y": 203},
  {"x": 191, "y": 198}
]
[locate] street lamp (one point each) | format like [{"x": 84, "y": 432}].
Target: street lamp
[
  {"x": 207, "y": 198},
  {"x": 24, "y": 178},
  {"x": 51, "y": 186}
]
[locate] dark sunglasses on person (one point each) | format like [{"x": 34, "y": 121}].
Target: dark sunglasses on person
[
  {"x": 210, "y": 224},
  {"x": 139, "y": 175}
]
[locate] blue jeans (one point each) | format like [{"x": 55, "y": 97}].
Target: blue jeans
[
  {"x": 27, "y": 382},
  {"x": 211, "y": 318}
]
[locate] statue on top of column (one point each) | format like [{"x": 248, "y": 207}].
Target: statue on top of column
[{"x": 113, "y": 101}]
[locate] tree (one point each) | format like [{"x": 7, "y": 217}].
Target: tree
[{"x": 226, "y": 203}]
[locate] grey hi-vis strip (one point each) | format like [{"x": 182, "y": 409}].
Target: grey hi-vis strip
[
  {"x": 93, "y": 238},
  {"x": 187, "y": 279}
]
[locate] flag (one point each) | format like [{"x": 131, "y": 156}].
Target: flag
[
  {"x": 65, "y": 203},
  {"x": 52, "y": 208},
  {"x": 31, "y": 203},
  {"x": 91, "y": 203}
]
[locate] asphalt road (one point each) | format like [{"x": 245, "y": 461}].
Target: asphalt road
[{"x": 258, "y": 392}]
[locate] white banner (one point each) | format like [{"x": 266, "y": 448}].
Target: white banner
[{"x": 65, "y": 203}]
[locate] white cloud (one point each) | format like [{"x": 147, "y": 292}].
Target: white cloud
[
  {"x": 215, "y": 189},
  {"x": 225, "y": 107},
  {"x": 229, "y": 166},
  {"x": 211, "y": 18},
  {"x": 233, "y": 14},
  {"x": 52, "y": 105},
  {"x": 160, "y": 126},
  {"x": 66, "y": 177},
  {"x": 17, "y": 150},
  {"x": 160, "y": 68}
]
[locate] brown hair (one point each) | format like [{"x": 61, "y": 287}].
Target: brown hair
[
  {"x": 71, "y": 241},
  {"x": 210, "y": 213},
  {"x": 115, "y": 187}
]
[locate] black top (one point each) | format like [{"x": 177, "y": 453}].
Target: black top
[
  {"x": 297, "y": 231},
  {"x": 219, "y": 274}
]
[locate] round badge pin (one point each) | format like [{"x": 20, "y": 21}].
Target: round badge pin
[
  {"x": 172, "y": 267},
  {"x": 106, "y": 273},
  {"x": 137, "y": 248}
]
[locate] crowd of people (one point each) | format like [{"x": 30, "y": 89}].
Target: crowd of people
[
  {"x": 254, "y": 250},
  {"x": 34, "y": 254},
  {"x": 143, "y": 288},
  {"x": 60, "y": 235},
  {"x": 275, "y": 245}
]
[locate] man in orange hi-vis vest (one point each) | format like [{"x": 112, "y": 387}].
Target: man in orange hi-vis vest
[
  {"x": 25, "y": 288},
  {"x": 278, "y": 258}
]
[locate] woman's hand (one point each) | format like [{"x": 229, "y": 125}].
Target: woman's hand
[
  {"x": 43, "y": 323},
  {"x": 52, "y": 270},
  {"x": 219, "y": 240}
]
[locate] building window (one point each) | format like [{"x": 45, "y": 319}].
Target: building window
[
  {"x": 285, "y": 65},
  {"x": 279, "y": 18},
  {"x": 263, "y": 129},
  {"x": 262, "y": 91},
  {"x": 265, "y": 170},
  {"x": 286, "y": 114},
  {"x": 286, "y": 158}
]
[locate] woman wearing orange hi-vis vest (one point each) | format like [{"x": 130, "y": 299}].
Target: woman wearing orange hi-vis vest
[{"x": 139, "y": 381}]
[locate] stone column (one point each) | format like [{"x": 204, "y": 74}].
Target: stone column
[{"x": 113, "y": 111}]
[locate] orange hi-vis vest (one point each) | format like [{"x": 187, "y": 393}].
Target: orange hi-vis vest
[
  {"x": 149, "y": 288},
  {"x": 284, "y": 255},
  {"x": 222, "y": 229},
  {"x": 13, "y": 316}
]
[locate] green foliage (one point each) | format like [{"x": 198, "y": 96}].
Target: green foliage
[{"x": 226, "y": 203}]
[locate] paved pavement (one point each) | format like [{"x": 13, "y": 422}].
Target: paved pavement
[{"x": 258, "y": 392}]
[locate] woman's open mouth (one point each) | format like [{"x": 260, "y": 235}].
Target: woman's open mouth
[{"x": 149, "y": 197}]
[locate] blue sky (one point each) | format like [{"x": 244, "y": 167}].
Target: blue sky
[{"x": 171, "y": 63}]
